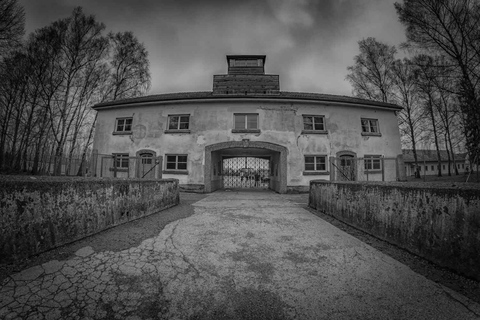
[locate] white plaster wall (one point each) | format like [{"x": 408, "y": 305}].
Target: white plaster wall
[{"x": 280, "y": 122}]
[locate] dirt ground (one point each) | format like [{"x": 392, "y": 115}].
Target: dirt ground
[
  {"x": 132, "y": 234},
  {"x": 468, "y": 287}
]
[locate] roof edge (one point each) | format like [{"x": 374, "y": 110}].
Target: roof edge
[{"x": 209, "y": 95}]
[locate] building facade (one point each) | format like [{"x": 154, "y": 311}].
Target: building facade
[
  {"x": 246, "y": 133},
  {"x": 428, "y": 162}
]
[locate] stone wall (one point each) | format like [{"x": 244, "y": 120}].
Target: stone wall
[
  {"x": 439, "y": 223},
  {"x": 37, "y": 215}
]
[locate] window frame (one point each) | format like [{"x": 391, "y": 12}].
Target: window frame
[
  {"x": 369, "y": 132},
  {"x": 369, "y": 159},
  {"x": 176, "y": 170},
  {"x": 178, "y": 130},
  {"x": 245, "y": 129},
  {"x": 315, "y": 171},
  {"x": 123, "y": 131},
  {"x": 313, "y": 130},
  {"x": 119, "y": 166}
]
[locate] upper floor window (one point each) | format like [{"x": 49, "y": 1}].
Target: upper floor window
[
  {"x": 372, "y": 162},
  {"x": 370, "y": 126},
  {"x": 313, "y": 123},
  {"x": 123, "y": 125},
  {"x": 179, "y": 122},
  {"x": 315, "y": 163},
  {"x": 246, "y": 121}
]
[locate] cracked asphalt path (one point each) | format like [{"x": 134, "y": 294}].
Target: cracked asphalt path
[{"x": 248, "y": 255}]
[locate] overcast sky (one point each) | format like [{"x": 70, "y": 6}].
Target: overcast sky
[{"x": 309, "y": 43}]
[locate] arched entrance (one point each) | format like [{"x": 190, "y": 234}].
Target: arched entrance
[
  {"x": 215, "y": 165},
  {"x": 146, "y": 161},
  {"x": 346, "y": 166}
]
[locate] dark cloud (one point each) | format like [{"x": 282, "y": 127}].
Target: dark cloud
[{"x": 309, "y": 43}]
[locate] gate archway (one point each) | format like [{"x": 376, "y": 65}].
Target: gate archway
[{"x": 215, "y": 153}]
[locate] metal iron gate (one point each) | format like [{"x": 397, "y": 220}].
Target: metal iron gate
[{"x": 246, "y": 172}]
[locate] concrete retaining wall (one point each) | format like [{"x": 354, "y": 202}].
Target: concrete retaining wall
[
  {"x": 439, "y": 223},
  {"x": 36, "y": 216}
]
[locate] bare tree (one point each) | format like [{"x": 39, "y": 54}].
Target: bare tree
[
  {"x": 12, "y": 25},
  {"x": 407, "y": 93},
  {"x": 130, "y": 76},
  {"x": 426, "y": 83},
  {"x": 82, "y": 44},
  {"x": 48, "y": 85},
  {"x": 453, "y": 28},
  {"x": 370, "y": 75}
]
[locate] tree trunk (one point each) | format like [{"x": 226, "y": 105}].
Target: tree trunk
[
  {"x": 448, "y": 158},
  {"x": 434, "y": 126},
  {"x": 84, "y": 153}
]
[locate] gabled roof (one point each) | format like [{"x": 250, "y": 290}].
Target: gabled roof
[
  {"x": 282, "y": 95},
  {"x": 429, "y": 155}
]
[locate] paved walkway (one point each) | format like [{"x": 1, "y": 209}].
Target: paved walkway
[{"x": 240, "y": 256}]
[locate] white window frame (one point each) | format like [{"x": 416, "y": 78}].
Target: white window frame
[
  {"x": 122, "y": 124},
  {"x": 121, "y": 160},
  {"x": 179, "y": 121},
  {"x": 372, "y": 162},
  {"x": 176, "y": 162},
  {"x": 245, "y": 122},
  {"x": 316, "y": 162},
  {"x": 368, "y": 127},
  {"x": 314, "y": 119}
]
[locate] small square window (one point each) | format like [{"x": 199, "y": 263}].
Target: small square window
[
  {"x": 315, "y": 163},
  {"x": 176, "y": 162},
  {"x": 123, "y": 125},
  {"x": 370, "y": 126},
  {"x": 314, "y": 123},
  {"x": 246, "y": 121},
  {"x": 179, "y": 122},
  {"x": 372, "y": 162}
]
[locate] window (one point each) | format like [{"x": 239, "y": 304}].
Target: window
[
  {"x": 443, "y": 167},
  {"x": 372, "y": 163},
  {"x": 426, "y": 168},
  {"x": 370, "y": 126},
  {"x": 315, "y": 163},
  {"x": 121, "y": 160},
  {"x": 246, "y": 63},
  {"x": 176, "y": 162},
  {"x": 179, "y": 122},
  {"x": 314, "y": 123},
  {"x": 123, "y": 125},
  {"x": 246, "y": 121}
]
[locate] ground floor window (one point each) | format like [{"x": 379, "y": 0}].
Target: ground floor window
[
  {"x": 176, "y": 162},
  {"x": 372, "y": 162},
  {"x": 121, "y": 160},
  {"x": 315, "y": 163}
]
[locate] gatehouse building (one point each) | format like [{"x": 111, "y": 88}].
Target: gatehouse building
[{"x": 247, "y": 133}]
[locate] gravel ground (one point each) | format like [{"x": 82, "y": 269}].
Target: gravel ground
[{"x": 132, "y": 234}]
